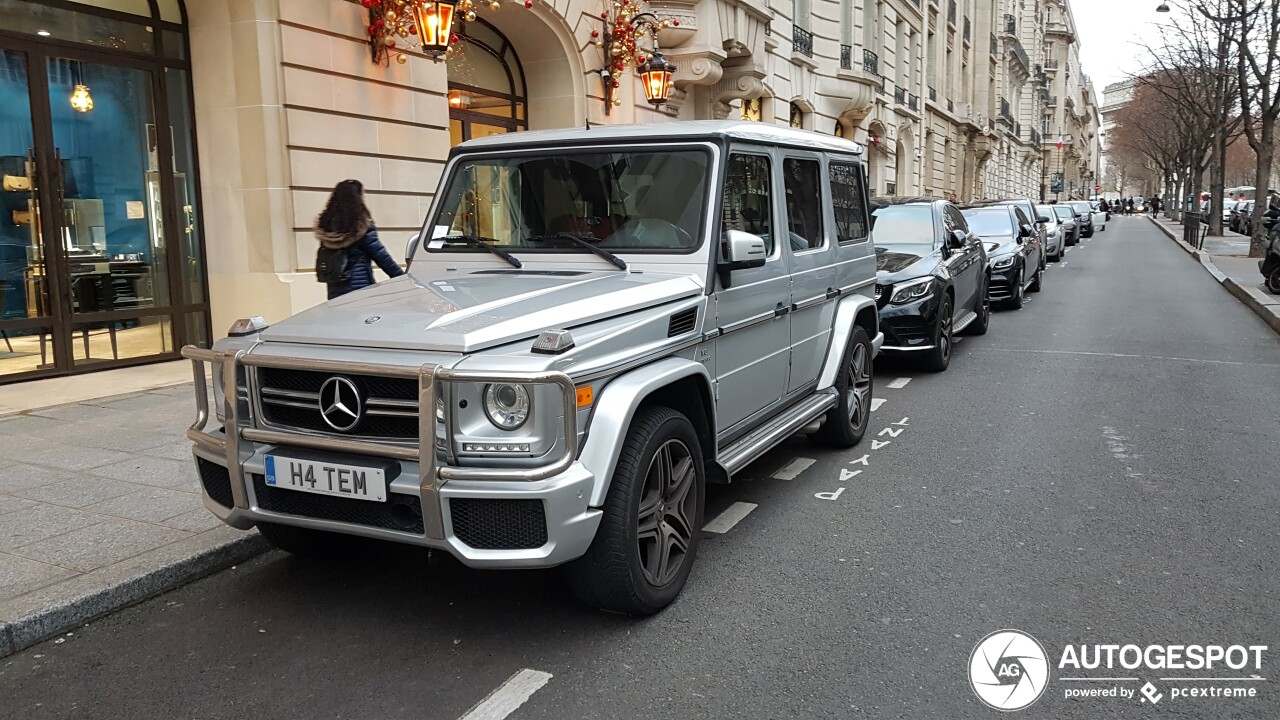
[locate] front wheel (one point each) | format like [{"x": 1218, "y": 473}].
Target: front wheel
[
  {"x": 940, "y": 356},
  {"x": 846, "y": 423},
  {"x": 1273, "y": 282},
  {"x": 983, "y": 308},
  {"x": 651, "y": 522},
  {"x": 1019, "y": 296},
  {"x": 1036, "y": 281}
]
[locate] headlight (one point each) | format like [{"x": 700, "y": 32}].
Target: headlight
[
  {"x": 912, "y": 291},
  {"x": 507, "y": 406},
  {"x": 1002, "y": 263}
]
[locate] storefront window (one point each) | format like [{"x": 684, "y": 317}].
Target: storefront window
[
  {"x": 55, "y": 22},
  {"x": 486, "y": 85},
  {"x": 189, "y": 243}
]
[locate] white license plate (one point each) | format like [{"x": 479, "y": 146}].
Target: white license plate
[{"x": 326, "y": 478}]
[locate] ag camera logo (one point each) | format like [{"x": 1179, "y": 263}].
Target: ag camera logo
[{"x": 1008, "y": 670}]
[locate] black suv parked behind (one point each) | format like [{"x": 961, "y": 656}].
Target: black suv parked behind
[{"x": 931, "y": 279}]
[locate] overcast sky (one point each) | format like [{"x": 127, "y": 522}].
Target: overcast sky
[{"x": 1112, "y": 35}]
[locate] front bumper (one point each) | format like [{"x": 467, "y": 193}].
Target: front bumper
[
  {"x": 1003, "y": 283},
  {"x": 486, "y": 517},
  {"x": 910, "y": 326}
]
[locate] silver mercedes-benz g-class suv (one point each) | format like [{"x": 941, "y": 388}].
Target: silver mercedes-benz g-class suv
[{"x": 595, "y": 324}]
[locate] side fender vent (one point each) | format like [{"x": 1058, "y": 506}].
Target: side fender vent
[{"x": 682, "y": 322}]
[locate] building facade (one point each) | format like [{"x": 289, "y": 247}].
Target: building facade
[{"x": 234, "y": 119}]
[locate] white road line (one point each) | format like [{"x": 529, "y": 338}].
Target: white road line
[
  {"x": 725, "y": 521},
  {"x": 509, "y": 696},
  {"x": 876, "y": 403},
  {"x": 899, "y": 383},
  {"x": 793, "y": 468},
  {"x": 1062, "y": 264}
]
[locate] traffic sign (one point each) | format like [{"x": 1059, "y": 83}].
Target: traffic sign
[{"x": 1097, "y": 188}]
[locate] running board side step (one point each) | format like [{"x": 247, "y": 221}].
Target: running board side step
[
  {"x": 963, "y": 323},
  {"x": 759, "y": 441}
]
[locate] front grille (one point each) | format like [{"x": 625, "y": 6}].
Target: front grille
[
  {"x": 499, "y": 524},
  {"x": 882, "y": 295},
  {"x": 399, "y": 512},
  {"x": 291, "y": 399},
  {"x": 216, "y": 481}
]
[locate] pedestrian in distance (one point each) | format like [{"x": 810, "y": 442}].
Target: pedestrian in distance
[{"x": 349, "y": 242}]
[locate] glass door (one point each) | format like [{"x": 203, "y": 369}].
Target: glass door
[
  {"x": 113, "y": 259},
  {"x": 27, "y": 308}
]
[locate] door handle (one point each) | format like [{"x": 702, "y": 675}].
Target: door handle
[
  {"x": 781, "y": 310},
  {"x": 833, "y": 292}
]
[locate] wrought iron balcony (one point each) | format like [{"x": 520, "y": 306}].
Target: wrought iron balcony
[
  {"x": 1051, "y": 64},
  {"x": 933, "y": 95},
  {"x": 968, "y": 28},
  {"x": 951, "y": 106},
  {"x": 846, "y": 57},
  {"x": 1005, "y": 114},
  {"x": 900, "y": 96},
  {"x": 870, "y": 62},
  {"x": 913, "y": 102},
  {"x": 951, "y": 12},
  {"x": 1015, "y": 49},
  {"x": 995, "y": 47},
  {"x": 801, "y": 41},
  {"x": 1010, "y": 24}
]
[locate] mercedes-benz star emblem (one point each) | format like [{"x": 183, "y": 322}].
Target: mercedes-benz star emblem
[{"x": 340, "y": 403}]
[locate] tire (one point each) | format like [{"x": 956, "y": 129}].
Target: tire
[
  {"x": 620, "y": 571},
  {"x": 847, "y": 422},
  {"x": 1273, "y": 282},
  {"x": 303, "y": 542},
  {"x": 1016, "y": 302},
  {"x": 983, "y": 308},
  {"x": 940, "y": 356},
  {"x": 1037, "y": 281}
]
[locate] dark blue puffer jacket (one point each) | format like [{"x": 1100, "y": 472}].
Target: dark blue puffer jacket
[{"x": 361, "y": 255}]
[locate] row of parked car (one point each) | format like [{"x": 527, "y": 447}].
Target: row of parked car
[{"x": 941, "y": 266}]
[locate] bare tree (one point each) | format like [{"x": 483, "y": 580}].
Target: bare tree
[
  {"x": 1163, "y": 133},
  {"x": 1258, "y": 71}
]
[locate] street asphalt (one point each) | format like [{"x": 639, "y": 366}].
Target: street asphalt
[{"x": 1100, "y": 468}]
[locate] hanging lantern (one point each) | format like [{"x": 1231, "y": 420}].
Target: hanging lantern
[
  {"x": 81, "y": 100},
  {"x": 655, "y": 73},
  {"x": 434, "y": 21}
]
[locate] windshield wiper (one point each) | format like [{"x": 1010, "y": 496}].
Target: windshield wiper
[
  {"x": 483, "y": 243},
  {"x": 580, "y": 242}
]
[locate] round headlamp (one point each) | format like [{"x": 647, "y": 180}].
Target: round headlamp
[{"x": 506, "y": 405}]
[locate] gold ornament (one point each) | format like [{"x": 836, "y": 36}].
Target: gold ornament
[
  {"x": 389, "y": 16},
  {"x": 402, "y": 58}
]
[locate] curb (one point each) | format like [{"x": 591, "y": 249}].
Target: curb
[
  {"x": 1261, "y": 305},
  {"x": 41, "y": 622}
]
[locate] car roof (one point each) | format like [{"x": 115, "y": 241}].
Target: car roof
[
  {"x": 880, "y": 201},
  {"x": 678, "y": 131}
]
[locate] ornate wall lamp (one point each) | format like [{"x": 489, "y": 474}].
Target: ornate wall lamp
[
  {"x": 396, "y": 25},
  {"x": 625, "y": 23}
]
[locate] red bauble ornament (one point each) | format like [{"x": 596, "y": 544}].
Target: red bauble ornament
[
  {"x": 595, "y": 33},
  {"x": 453, "y": 38},
  {"x": 413, "y": 29},
  {"x": 604, "y": 16},
  {"x": 378, "y": 23},
  {"x": 676, "y": 23},
  {"x": 367, "y": 3},
  {"x": 373, "y": 30},
  {"x": 528, "y": 3}
]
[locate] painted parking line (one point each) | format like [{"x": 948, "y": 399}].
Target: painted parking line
[
  {"x": 725, "y": 521},
  {"x": 899, "y": 383},
  {"x": 876, "y": 403},
  {"x": 793, "y": 468},
  {"x": 509, "y": 696}
]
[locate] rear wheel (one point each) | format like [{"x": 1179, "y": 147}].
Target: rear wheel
[
  {"x": 651, "y": 522},
  {"x": 983, "y": 308},
  {"x": 940, "y": 356},
  {"x": 846, "y": 423},
  {"x": 1015, "y": 302},
  {"x": 1035, "y": 281},
  {"x": 1273, "y": 282}
]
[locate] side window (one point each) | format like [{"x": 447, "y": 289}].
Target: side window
[
  {"x": 748, "y": 197},
  {"x": 847, "y": 201},
  {"x": 803, "y": 183},
  {"x": 955, "y": 221},
  {"x": 1022, "y": 217},
  {"x": 949, "y": 221}
]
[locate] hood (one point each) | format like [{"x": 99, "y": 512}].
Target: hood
[
  {"x": 896, "y": 265},
  {"x": 476, "y": 309},
  {"x": 999, "y": 245}
]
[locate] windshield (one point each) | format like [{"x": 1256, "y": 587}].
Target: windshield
[
  {"x": 903, "y": 228},
  {"x": 989, "y": 223},
  {"x": 1063, "y": 212},
  {"x": 1081, "y": 207},
  {"x": 1046, "y": 211},
  {"x": 631, "y": 200}
]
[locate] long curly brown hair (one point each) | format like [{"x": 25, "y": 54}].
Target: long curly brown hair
[{"x": 345, "y": 213}]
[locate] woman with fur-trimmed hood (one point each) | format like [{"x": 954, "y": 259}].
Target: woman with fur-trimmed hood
[{"x": 345, "y": 225}]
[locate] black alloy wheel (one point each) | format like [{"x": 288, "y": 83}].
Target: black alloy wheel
[
  {"x": 651, "y": 523},
  {"x": 940, "y": 356},
  {"x": 846, "y": 423},
  {"x": 1037, "y": 280},
  {"x": 1016, "y": 302}
]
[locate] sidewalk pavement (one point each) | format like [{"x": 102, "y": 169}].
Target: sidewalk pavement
[
  {"x": 100, "y": 508},
  {"x": 1227, "y": 259}
]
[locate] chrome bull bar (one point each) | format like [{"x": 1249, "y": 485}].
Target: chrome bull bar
[{"x": 432, "y": 474}]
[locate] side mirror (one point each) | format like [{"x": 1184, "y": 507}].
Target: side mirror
[
  {"x": 744, "y": 251},
  {"x": 1027, "y": 231},
  {"x": 411, "y": 248},
  {"x": 957, "y": 240},
  {"x": 1044, "y": 219}
]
